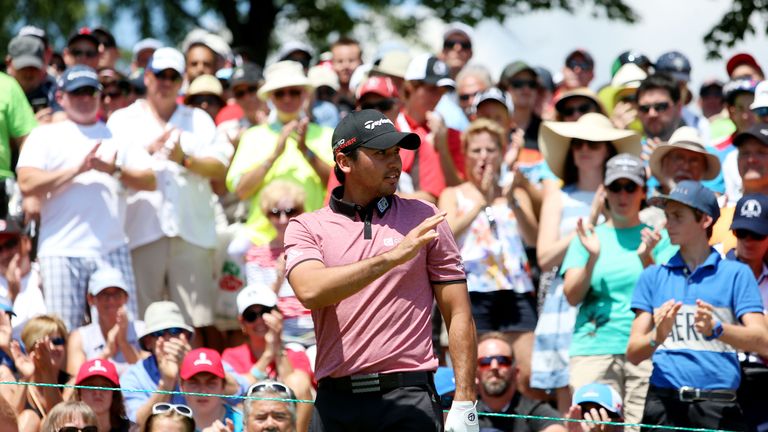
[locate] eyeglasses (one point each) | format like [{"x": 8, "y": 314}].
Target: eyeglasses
[
  {"x": 586, "y": 107},
  {"x": 270, "y": 386},
  {"x": 58, "y": 341},
  {"x": 169, "y": 75},
  {"x": 170, "y": 332},
  {"x": 288, "y": 212},
  {"x": 84, "y": 53},
  {"x": 742, "y": 234},
  {"x": 197, "y": 100},
  {"x": 292, "y": 92},
  {"x": 84, "y": 91},
  {"x": 10, "y": 244},
  {"x": 761, "y": 112},
  {"x": 577, "y": 144},
  {"x": 518, "y": 84},
  {"x": 77, "y": 429},
  {"x": 111, "y": 95},
  {"x": 502, "y": 360},
  {"x": 250, "y": 315},
  {"x": 244, "y": 91},
  {"x": 450, "y": 43},
  {"x": 467, "y": 96},
  {"x": 161, "y": 408},
  {"x": 658, "y": 107},
  {"x": 628, "y": 187},
  {"x": 382, "y": 105}
]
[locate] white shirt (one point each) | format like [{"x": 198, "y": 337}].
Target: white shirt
[
  {"x": 29, "y": 302},
  {"x": 181, "y": 205},
  {"x": 85, "y": 217},
  {"x": 733, "y": 188}
]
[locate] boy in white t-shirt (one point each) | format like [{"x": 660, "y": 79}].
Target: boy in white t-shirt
[{"x": 80, "y": 174}]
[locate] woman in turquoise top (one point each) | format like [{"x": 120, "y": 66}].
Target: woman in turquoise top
[{"x": 600, "y": 270}]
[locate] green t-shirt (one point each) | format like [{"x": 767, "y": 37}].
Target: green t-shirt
[
  {"x": 605, "y": 318},
  {"x": 256, "y": 146},
  {"x": 16, "y": 119}
]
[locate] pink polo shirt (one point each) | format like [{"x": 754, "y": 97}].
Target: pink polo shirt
[{"x": 386, "y": 326}]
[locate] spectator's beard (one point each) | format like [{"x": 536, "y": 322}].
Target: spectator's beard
[{"x": 495, "y": 387}]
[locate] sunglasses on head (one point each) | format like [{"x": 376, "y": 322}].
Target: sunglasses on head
[
  {"x": 742, "y": 234},
  {"x": 169, "y": 75},
  {"x": 382, "y": 105},
  {"x": 502, "y": 360},
  {"x": 251, "y": 89},
  {"x": 77, "y": 429},
  {"x": 288, "y": 212},
  {"x": 586, "y": 107},
  {"x": 10, "y": 244},
  {"x": 292, "y": 92},
  {"x": 577, "y": 144},
  {"x": 83, "y": 53},
  {"x": 170, "y": 332},
  {"x": 518, "y": 84},
  {"x": 160, "y": 408},
  {"x": 270, "y": 386},
  {"x": 84, "y": 91},
  {"x": 628, "y": 187},
  {"x": 658, "y": 107},
  {"x": 761, "y": 112},
  {"x": 450, "y": 43},
  {"x": 251, "y": 315}
]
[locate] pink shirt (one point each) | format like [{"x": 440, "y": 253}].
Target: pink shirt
[{"x": 386, "y": 326}]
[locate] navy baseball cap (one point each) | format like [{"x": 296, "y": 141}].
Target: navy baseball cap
[
  {"x": 692, "y": 194},
  {"x": 751, "y": 214},
  {"x": 78, "y": 76},
  {"x": 372, "y": 129}
]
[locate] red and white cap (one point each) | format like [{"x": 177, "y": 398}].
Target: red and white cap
[
  {"x": 202, "y": 360},
  {"x": 98, "y": 367},
  {"x": 382, "y": 86}
]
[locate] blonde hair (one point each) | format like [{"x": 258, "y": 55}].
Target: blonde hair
[
  {"x": 41, "y": 326},
  {"x": 484, "y": 125},
  {"x": 279, "y": 189},
  {"x": 68, "y": 411}
]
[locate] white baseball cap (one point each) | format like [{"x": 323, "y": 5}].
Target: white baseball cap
[{"x": 255, "y": 295}]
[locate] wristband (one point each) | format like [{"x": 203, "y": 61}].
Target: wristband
[
  {"x": 258, "y": 373},
  {"x": 717, "y": 331}
]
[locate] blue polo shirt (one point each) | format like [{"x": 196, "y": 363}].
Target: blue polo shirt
[{"x": 685, "y": 358}]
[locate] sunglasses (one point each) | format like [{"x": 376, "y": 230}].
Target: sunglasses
[
  {"x": 450, "y": 43},
  {"x": 382, "y": 105},
  {"x": 58, "y": 341},
  {"x": 170, "y": 332},
  {"x": 467, "y": 96},
  {"x": 244, "y": 91},
  {"x": 10, "y": 244},
  {"x": 251, "y": 315},
  {"x": 168, "y": 76},
  {"x": 77, "y": 429},
  {"x": 289, "y": 212},
  {"x": 111, "y": 95},
  {"x": 502, "y": 360},
  {"x": 270, "y": 386},
  {"x": 518, "y": 84},
  {"x": 84, "y": 91},
  {"x": 577, "y": 144},
  {"x": 658, "y": 107},
  {"x": 292, "y": 92},
  {"x": 160, "y": 408},
  {"x": 204, "y": 99},
  {"x": 628, "y": 187},
  {"x": 84, "y": 53},
  {"x": 761, "y": 112},
  {"x": 629, "y": 98},
  {"x": 586, "y": 107},
  {"x": 742, "y": 234},
  {"x": 573, "y": 64}
]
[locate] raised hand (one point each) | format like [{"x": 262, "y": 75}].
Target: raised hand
[
  {"x": 664, "y": 319},
  {"x": 274, "y": 335},
  {"x": 704, "y": 320},
  {"x": 623, "y": 114},
  {"x": 649, "y": 239},
  {"x": 159, "y": 143},
  {"x": 598, "y": 204},
  {"x": 24, "y": 364},
  {"x": 438, "y": 135},
  {"x": 417, "y": 238},
  {"x": 87, "y": 163},
  {"x": 6, "y": 332},
  {"x": 588, "y": 238}
]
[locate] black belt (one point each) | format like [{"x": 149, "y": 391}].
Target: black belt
[
  {"x": 375, "y": 382},
  {"x": 691, "y": 394}
]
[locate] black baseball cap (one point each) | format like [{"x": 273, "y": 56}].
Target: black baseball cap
[
  {"x": 83, "y": 33},
  {"x": 371, "y": 129},
  {"x": 692, "y": 194},
  {"x": 758, "y": 131}
]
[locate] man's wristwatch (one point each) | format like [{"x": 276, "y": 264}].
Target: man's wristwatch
[{"x": 717, "y": 331}]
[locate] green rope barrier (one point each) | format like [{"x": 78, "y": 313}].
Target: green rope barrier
[{"x": 485, "y": 414}]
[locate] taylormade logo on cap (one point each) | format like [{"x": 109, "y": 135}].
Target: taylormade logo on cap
[{"x": 371, "y": 124}]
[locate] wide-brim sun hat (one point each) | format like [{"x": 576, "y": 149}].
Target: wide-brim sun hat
[
  {"x": 163, "y": 315},
  {"x": 283, "y": 74},
  {"x": 555, "y": 138},
  {"x": 686, "y": 138}
]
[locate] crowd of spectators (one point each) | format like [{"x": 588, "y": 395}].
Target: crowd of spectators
[{"x": 614, "y": 235}]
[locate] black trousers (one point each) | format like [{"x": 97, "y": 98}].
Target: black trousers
[
  {"x": 415, "y": 408},
  {"x": 670, "y": 411}
]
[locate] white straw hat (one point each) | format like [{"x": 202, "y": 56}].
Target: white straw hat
[{"x": 286, "y": 73}]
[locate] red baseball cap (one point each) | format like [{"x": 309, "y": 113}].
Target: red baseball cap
[
  {"x": 202, "y": 360},
  {"x": 740, "y": 59},
  {"x": 382, "y": 86},
  {"x": 98, "y": 367}
]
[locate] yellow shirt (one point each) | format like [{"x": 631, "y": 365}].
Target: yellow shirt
[
  {"x": 721, "y": 232},
  {"x": 256, "y": 146}
]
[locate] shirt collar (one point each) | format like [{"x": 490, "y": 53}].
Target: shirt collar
[
  {"x": 678, "y": 262},
  {"x": 350, "y": 209}
]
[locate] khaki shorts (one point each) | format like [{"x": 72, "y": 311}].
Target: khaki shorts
[{"x": 173, "y": 269}]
